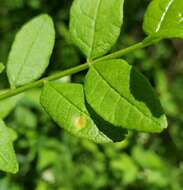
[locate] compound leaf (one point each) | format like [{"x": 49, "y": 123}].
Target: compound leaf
[
  {"x": 122, "y": 96},
  {"x": 31, "y": 51},
  {"x": 65, "y": 103},
  {"x": 8, "y": 162},
  {"x": 164, "y": 19},
  {"x": 95, "y": 25}
]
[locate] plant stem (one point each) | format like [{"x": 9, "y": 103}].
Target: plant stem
[
  {"x": 39, "y": 83},
  {"x": 56, "y": 76},
  {"x": 123, "y": 52}
]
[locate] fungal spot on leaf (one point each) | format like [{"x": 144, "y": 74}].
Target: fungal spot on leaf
[{"x": 80, "y": 122}]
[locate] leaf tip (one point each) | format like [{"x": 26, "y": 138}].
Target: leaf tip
[{"x": 15, "y": 169}]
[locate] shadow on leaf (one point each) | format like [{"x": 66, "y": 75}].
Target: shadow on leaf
[
  {"x": 142, "y": 91},
  {"x": 116, "y": 134}
]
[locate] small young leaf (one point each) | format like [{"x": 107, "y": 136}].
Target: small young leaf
[
  {"x": 31, "y": 51},
  {"x": 65, "y": 103},
  {"x": 95, "y": 25},
  {"x": 8, "y": 162},
  {"x": 164, "y": 19},
  {"x": 1, "y": 68},
  {"x": 7, "y": 105},
  {"x": 123, "y": 97}
]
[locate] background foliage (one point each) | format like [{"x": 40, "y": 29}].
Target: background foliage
[{"x": 50, "y": 159}]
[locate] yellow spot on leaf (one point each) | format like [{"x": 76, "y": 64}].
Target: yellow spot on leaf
[{"x": 80, "y": 122}]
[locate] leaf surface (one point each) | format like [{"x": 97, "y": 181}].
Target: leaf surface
[
  {"x": 1, "y": 68},
  {"x": 8, "y": 162},
  {"x": 7, "y": 105},
  {"x": 31, "y": 51},
  {"x": 164, "y": 19},
  {"x": 122, "y": 96},
  {"x": 65, "y": 103},
  {"x": 95, "y": 25}
]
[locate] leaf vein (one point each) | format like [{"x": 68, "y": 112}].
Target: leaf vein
[
  {"x": 129, "y": 102},
  {"x": 163, "y": 15},
  {"x": 27, "y": 54}
]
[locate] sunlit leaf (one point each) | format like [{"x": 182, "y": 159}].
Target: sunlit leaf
[
  {"x": 122, "y": 96},
  {"x": 164, "y": 19},
  {"x": 31, "y": 51},
  {"x": 95, "y": 25},
  {"x": 65, "y": 103}
]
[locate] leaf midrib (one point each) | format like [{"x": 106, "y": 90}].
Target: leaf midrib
[
  {"x": 28, "y": 52},
  {"x": 86, "y": 114},
  {"x": 79, "y": 109},
  {"x": 94, "y": 29},
  {"x": 163, "y": 15}
]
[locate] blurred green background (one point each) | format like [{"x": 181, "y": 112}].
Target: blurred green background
[{"x": 51, "y": 159}]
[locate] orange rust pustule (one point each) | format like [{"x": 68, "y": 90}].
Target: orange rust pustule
[{"x": 80, "y": 122}]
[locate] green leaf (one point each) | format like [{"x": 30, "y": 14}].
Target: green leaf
[
  {"x": 164, "y": 19},
  {"x": 1, "y": 68},
  {"x": 31, "y": 51},
  {"x": 95, "y": 25},
  {"x": 7, "y": 105},
  {"x": 65, "y": 103},
  {"x": 122, "y": 96},
  {"x": 8, "y": 162}
]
